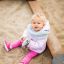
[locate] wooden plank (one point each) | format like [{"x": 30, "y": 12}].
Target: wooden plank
[
  {"x": 35, "y": 7},
  {"x": 52, "y": 43}
]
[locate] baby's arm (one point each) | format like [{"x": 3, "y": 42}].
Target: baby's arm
[
  {"x": 24, "y": 35},
  {"x": 25, "y": 39},
  {"x": 47, "y": 28}
]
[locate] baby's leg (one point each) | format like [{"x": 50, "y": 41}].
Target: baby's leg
[
  {"x": 28, "y": 57},
  {"x": 14, "y": 44}
]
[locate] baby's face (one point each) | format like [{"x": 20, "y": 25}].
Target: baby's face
[{"x": 37, "y": 24}]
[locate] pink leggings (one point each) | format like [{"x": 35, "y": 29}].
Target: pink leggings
[{"x": 28, "y": 56}]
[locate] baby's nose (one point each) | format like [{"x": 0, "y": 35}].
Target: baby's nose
[{"x": 36, "y": 23}]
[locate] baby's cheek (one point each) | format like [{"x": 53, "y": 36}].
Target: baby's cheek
[
  {"x": 42, "y": 25},
  {"x": 32, "y": 25}
]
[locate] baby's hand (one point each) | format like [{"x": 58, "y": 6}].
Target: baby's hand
[
  {"x": 25, "y": 42},
  {"x": 23, "y": 38}
]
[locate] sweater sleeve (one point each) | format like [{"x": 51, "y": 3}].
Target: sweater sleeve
[
  {"x": 25, "y": 42},
  {"x": 25, "y": 33},
  {"x": 47, "y": 29}
]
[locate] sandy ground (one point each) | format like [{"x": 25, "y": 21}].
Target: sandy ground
[{"x": 14, "y": 17}]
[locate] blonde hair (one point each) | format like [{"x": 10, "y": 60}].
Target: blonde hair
[{"x": 43, "y": 18}]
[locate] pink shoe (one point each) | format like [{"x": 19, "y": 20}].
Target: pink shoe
[{"x": 7, "y": 46}]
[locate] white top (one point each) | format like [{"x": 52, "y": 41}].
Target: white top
[{"x": 37, "y": 39}]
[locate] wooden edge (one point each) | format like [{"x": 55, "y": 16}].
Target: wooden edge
[{"x": 52, "y": 43}]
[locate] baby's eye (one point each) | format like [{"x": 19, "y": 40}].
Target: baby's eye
[
  {"x": 34, "y": 23},
  {"x": 38, "y": 23}
]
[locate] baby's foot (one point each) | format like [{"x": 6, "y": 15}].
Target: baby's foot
[{"x": 6, "y": 45}]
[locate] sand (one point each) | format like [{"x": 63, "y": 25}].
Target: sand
[{"x": 14, "y": 17}]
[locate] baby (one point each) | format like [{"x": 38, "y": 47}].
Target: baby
[{"x": 34, "y": 38}]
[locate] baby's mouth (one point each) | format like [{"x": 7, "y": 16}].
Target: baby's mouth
[{"x": 36, "y": 27}]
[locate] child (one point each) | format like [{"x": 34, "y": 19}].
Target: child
[{"x": 34, "y": 38}]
